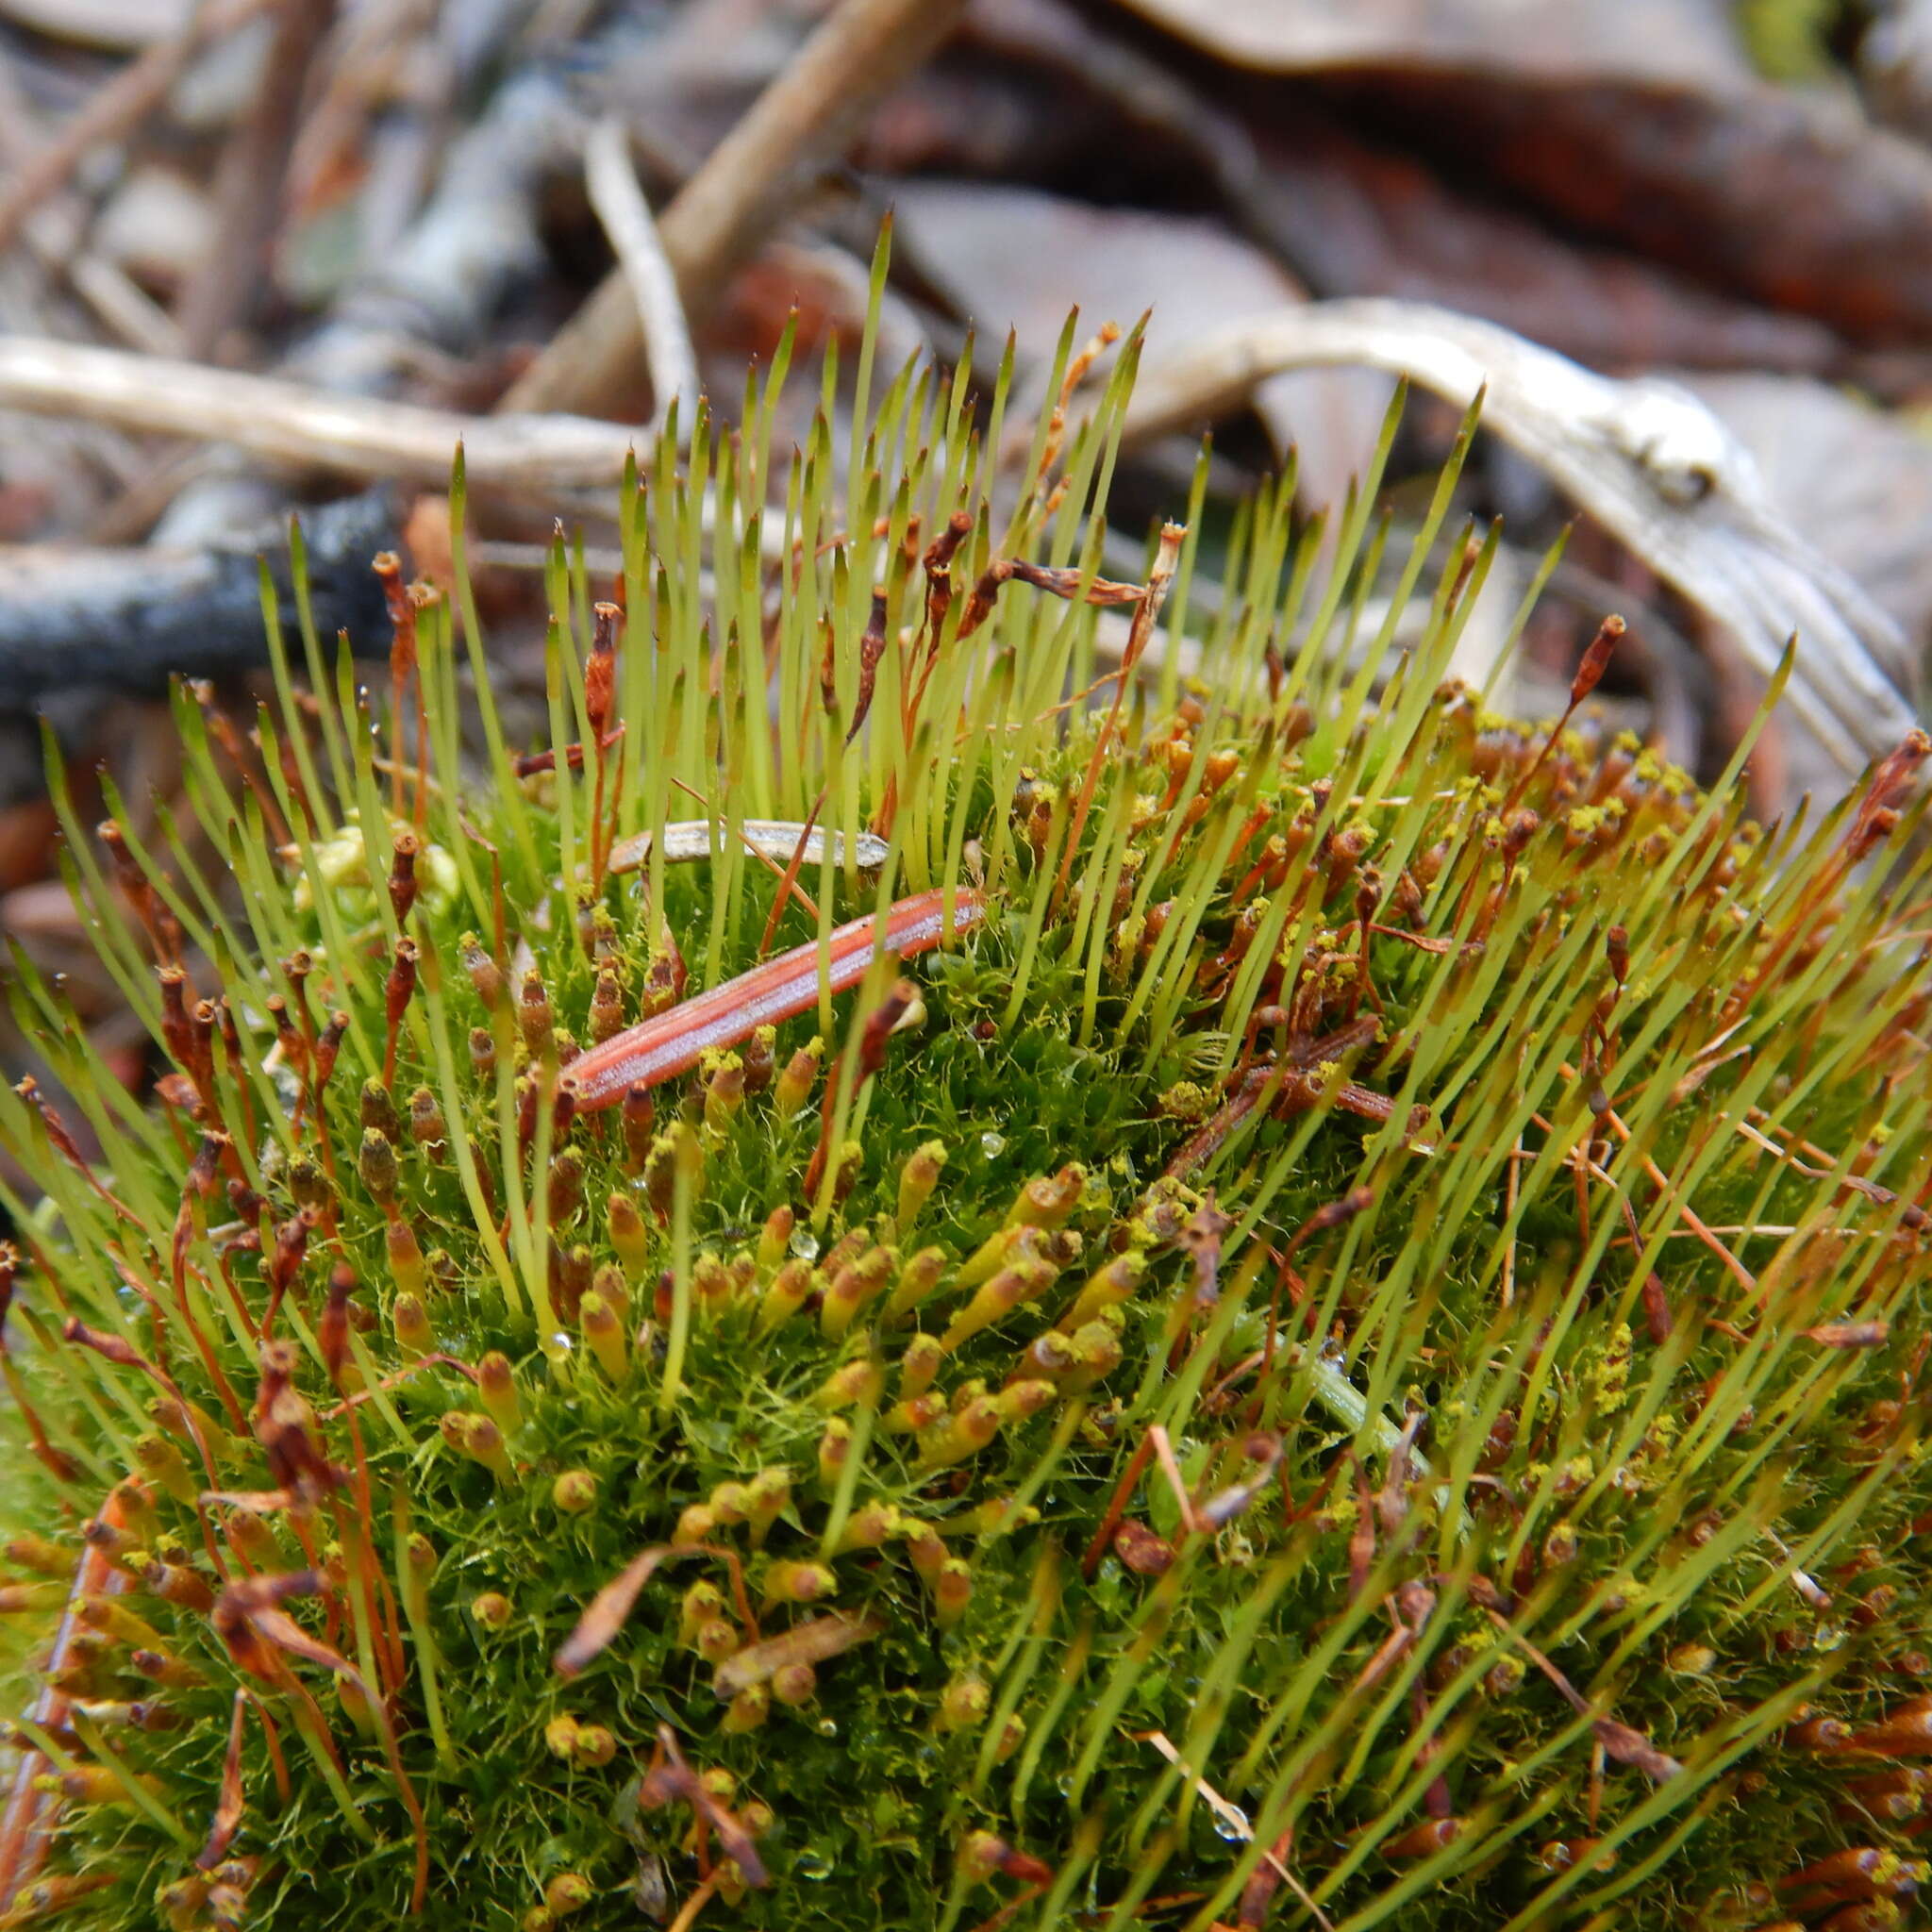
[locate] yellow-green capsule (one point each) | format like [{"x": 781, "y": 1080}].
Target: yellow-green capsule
[
  {"x": 376, "y": 1164},
  {"x": 795, "y": 1684},
  {"x": 699, "y": 1605},
  {"x": 766, "y": 1497},
  {"x": 963, "y": 1434},
  {"x": 854, "y": 1284},
  {"x": 628, "y": 1235},
  {"x": 1097, "y": 1354},
  {"x": 835, "y": 1445},
  {"x": 964, "y": 1704},
  {"x": 915, "y": 1413},
  {"x": 575, "y": 1492},
  {"x": 996, "y": 1299},
  {"x": 406, "y": 1267},
  {"x": 479, "y": 1437},
  {"x": 604, "y": 1333},
  {"x": 723, "y": 1079},
  {"x": 775, "y": 1238},
  {"x": 1106, "y": 1286},
  {"x": 568, "y": 1892},
  {"x": 497, "y": 1385},
  {"x": 595, "y": 1746},
  {"x": 39, "y": 1554},
  {"x": 868, "y": 1526},
  {"x": 920, "y": 1365},
  {"x": 787, "y": 1292},
  {"x": 798, "y": 1583},
  {"x": 718, "y": 1640},
  {"x": 860, "y": 1382},
  {"x": 252, "y": 1539},
  {"x": 952, "y": 1589},
  {"x": 916, "y": 1281},
  {"x": 917, "y": 1179},
  {"x": 409, "y": 1321},
  {"x": 925, "y": 1549},
  {"x": 607, "y": 1280},
  {"x": 1019, "y": 1400},
  {"x": 748, "y": 1710},
  {"x": 999, "y": 1514},
  {"x": 161, "y": 1462},
  {"x": 1048, "y": 1201},
  {"x": 793, "y": 1086}
]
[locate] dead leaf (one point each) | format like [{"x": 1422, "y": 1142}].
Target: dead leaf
[
  {"x": 810, "y": 1643},
  {"x": 1679, "y": 42},
  {"x": 1014, "y": 258}
]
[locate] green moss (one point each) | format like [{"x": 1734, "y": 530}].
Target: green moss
[{"x": 1380, "y": 1275}]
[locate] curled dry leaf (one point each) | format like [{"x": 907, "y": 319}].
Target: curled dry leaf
[{"x": 810, "y": 1643}]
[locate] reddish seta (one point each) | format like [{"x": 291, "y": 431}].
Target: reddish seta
[{"x": 26, "y": 1825}]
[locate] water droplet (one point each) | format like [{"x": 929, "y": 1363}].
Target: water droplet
[
  {"x": 993, "y": 1146},
  {"x": 1828, "y": 1636},
  {"x": 804, "y": 1244},
  {"x": 814, "y": 1865},
  {"x": 827, "y": 1728},
  {"x": 1231, "y": 1825},
  {"x": 559, "y": 1346}
]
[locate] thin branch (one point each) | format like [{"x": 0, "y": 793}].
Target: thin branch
[
  {"x": 860, "y": 51},
  {"x": 117, "y": 109},
  {"x": 248, "y": 182},
  {"x": 1646, "y": 458},
  {"x": 303, "y": 428},
  {"x": 620, "y": 205}
]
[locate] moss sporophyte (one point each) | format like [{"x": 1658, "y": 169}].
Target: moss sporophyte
[{"x": 924, "y": 1276}]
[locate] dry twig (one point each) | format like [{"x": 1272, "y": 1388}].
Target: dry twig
[
  {"x": 117, "y": 109},
  {"x": 860, "y": 51},
  {"x": 288, "y": 422},
  {"x": 248, "y": 184},
  {"x": 1647, "y": 459},
  {"x": 620, "y": 205}
]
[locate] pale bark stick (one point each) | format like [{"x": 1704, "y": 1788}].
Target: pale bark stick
[
  {"x": 620, "y": 205},
  {"x": 303, "y": 429}
]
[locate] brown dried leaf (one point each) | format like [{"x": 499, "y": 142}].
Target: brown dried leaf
[
  {"x": 810, "y": 1643},
  {"x": 228, "y": 1808},
  {"x": 608, "y": 1608},
  {"x": 1675, "y": 43},
  {"x": 1633, "y": 1748}
]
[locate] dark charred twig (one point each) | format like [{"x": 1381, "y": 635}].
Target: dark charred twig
[{"x": 125, "y": 619}]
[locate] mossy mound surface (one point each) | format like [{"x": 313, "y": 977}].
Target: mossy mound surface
[{"x": 1336, "y": 1344}]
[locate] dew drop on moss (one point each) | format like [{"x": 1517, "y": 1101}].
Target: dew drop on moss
[
  {"x": 804, "y": 1244},
  {"x": 993, "y": 1146},
  {"x": 1231, "y": 1825},
  {"x": 814, "y": 1864}
]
